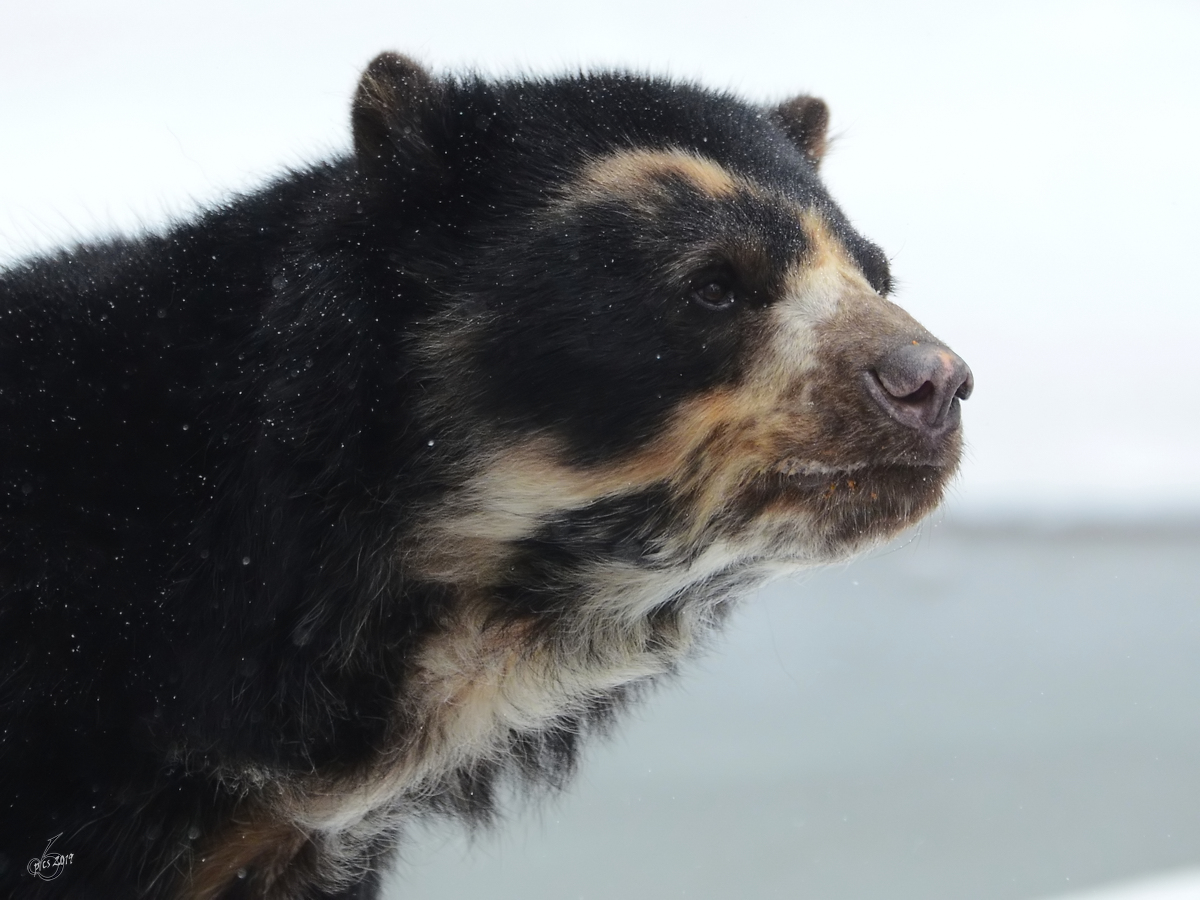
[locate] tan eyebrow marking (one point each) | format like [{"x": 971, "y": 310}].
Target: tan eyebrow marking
[{"x": 633, "y": 173}]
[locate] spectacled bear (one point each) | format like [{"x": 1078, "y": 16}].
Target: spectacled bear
[{"x": 348, "y": 499}]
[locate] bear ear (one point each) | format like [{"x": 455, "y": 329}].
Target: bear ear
[
  {"x": 806, "y": 121},
  {"x": 390, "y": 110}
]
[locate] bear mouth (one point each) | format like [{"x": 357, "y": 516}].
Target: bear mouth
[
  {"x": 883, "y": 489},
  {"x": 796, "y": 474}
]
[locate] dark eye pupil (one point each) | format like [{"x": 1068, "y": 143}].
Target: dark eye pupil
[{"x": 715, "y": 294}]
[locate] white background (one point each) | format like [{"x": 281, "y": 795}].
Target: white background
[{"x": 1030, "y": 168}]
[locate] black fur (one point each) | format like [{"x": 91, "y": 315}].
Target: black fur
[{"x": 214, "y": 441}]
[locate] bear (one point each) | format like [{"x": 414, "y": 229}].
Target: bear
[{"x": 348, "y": 500}]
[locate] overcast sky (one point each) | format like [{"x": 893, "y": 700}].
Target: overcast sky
[{"x": 1030, "y": 168}]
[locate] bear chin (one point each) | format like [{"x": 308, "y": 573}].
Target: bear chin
[{"x": 855, "y": 509}]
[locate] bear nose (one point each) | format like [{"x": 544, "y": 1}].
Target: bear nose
[{"x": 917, "y": 384}]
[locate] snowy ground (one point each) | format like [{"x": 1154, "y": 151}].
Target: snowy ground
[{"x": 1182, "y": 885}]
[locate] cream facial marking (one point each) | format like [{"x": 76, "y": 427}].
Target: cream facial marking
[{"x": 632, "y": 174}]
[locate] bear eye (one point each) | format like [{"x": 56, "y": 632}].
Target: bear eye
[{"x": 714, "y": 295}]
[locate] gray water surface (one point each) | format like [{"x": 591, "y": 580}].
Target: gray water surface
[{"x": 975, "y": 713}]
